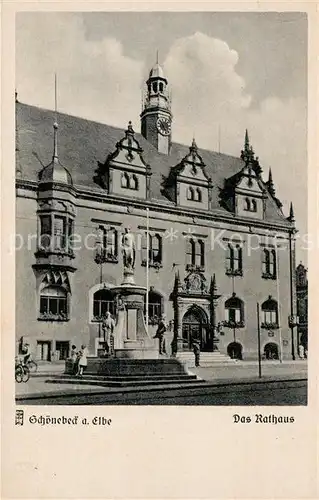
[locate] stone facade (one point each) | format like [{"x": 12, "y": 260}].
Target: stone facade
[{"x": 218, "y": 240}]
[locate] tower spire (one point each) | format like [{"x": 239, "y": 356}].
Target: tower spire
[{"x": 55, "y": 124}]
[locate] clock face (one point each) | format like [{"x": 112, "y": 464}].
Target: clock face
[{"x": 163, "y": 125}]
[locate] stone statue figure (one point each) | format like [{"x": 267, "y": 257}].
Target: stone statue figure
[
  {"x": 128, "y": 249},
  {"x": 108, "y": 326}
]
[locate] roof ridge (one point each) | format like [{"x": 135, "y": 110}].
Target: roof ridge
[{"x": 82, "y": 118}]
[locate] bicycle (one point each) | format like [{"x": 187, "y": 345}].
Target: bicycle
[
  {"x": 22, "y": 373},
  {"x": 32, "y": 365}
]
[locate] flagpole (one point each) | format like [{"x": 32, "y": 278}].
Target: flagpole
[
  {"x": 278, "y": 299},
  {"x": 147, "y": 266}
]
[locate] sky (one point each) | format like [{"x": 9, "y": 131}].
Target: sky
[{"x": 227, "y": 72}]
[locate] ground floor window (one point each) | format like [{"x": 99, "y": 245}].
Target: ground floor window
[
  {"x": 103, "y": 302},
  {"x": 53, "y": 303},
  {"x": 62, "y": 349},
  {"x": 44, "y": 350},
  {"x": 155, "y": 310}
]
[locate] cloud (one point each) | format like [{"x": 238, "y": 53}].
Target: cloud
[
  {"x": 97, "y": 80},
  {"x": 209, "y": 95}
]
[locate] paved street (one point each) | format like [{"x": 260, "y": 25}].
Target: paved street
[{"x": 234, "y": 384}]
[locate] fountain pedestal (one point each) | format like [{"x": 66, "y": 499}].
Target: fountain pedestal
[{"x": 131, "y": 338}]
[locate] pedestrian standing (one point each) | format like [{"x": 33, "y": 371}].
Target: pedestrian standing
[
  {"x": 82, "y": 363},
  {"x": 74, "y": 359},
  {"x": 196, "y": 350},
  {"x": 160, "y": 335},
  {"x": 301, "y": 351}
]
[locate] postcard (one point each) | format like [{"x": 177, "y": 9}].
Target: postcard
[{"x": 159, "y": 201}]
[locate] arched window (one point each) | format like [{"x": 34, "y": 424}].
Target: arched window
[
  {"x": 134, "y": 182},
  {"x": 155, "y": 87},
  {"x": 247, "y": 205},
  {"x": 191, "y": 252},
  {"x": 269, "y": 313},
  {"x": 103, "y": 302},
  {"x": 155, "y": 306},
  {"x": 190, "y": 193},
  {"x": 53, "y": 303},
  {"x": 254, "y": 205},
  {"x": 234, "y": 312},
  {"x": 269, "y": 265},
  {"x": 125, "y": 180},
  {"x": 234, "y": 260},
  {"x": 198, "y": 195},
  {"x": 161, "y": 87}
]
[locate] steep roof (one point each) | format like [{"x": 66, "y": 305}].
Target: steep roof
[{"x": 83, "y": 143}]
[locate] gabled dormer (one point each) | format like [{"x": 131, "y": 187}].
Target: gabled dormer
[
  {"x": 188, "y": 184},
  {"x": 244, "y": 192},
  {"x": 125, "y": 172}
]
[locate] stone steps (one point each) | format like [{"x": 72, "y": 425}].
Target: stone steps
[
  {"x": 126, "y": 381},
  {"x": 206, "y": 358}
]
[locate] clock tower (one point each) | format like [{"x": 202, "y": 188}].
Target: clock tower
[{"x": 156, "y": 116}]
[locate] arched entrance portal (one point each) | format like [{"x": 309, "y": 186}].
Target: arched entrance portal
[
  {"x": 271, "y": 351},
  {"x": 194, "y": 326},
  {"x": 235, "y": 350}
]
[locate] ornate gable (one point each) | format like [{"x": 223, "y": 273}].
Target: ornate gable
[
  {"x": 188, "y": 183},
  {"x": 125, "y": 171}
]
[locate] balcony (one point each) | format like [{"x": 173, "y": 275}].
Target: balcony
[{"x": 269, "y": 276}]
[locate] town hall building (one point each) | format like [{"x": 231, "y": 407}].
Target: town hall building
[{"x": 218, "y": 240}]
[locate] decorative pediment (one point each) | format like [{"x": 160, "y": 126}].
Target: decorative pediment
[
  {"x": 128, "y": 151},
  {"x": 194, "y": 284},
  {"x": 247, "y": 181},
  {"x": 56, "y": 278},
  {"x": 192, "y": 166}
]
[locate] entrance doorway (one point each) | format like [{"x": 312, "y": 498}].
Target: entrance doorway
[
  {"x": 63, "y": 348},
  {"x": 194, "y": 327},
  {"x": 44, "y": 350},
  {"x": 235, "y": 350},
  {"x": 271, "y": 351}
]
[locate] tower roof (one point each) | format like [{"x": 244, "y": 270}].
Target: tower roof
[{"x": 157, "y": 72}]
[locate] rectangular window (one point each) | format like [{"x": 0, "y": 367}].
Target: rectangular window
[
  {"x": 234, "y": 260},
  {"x": 59, "y": 232}
]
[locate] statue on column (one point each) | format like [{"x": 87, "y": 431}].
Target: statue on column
[{"x": 128, "y": 249}]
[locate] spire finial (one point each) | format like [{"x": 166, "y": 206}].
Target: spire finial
[
  {"x": 270, "y": 184},
  {"x": 291, "y": 213},
  {"x": 246, "y": 140},
  {"x": 55, "y": 124},
  {"x": 157, "y": 56},
  {"x": 247, "y": 154}
]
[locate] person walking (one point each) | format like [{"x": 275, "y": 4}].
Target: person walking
[
  {"x": 82, "y": 363},
  {"x": 196, "y": 351}
]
